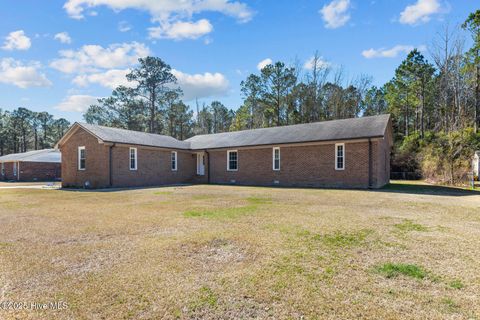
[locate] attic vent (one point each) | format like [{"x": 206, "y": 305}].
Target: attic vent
[{"x": 233, "y": 181}]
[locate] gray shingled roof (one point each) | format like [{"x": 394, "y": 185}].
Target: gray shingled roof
[
  {"x": 365, "y": 127},
  {"x": 46, "y": 155},
  {"x": 116, "y": 135}
]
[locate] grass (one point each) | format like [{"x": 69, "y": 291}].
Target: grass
[
  {"x": 409, "y": 225},
  {"x": 393, "y": 270},
  {"x": 344, "y": 239},
  {"x": 216, "y": 252},
  {"x": 456, "y": 284},
  {"x": 231, "y": 212},
  {"x": 205, "y": 298}
]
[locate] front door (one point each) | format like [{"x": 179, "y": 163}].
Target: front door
[{"x": 201, "y": 164}]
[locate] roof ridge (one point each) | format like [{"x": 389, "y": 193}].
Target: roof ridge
[{"x": 127, "y": 130}]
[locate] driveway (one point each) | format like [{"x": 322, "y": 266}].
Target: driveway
[{"x": 30, "y": 185}]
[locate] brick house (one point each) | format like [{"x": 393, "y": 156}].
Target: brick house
[
  {"x": 38, "y": 165},
  {"x": 350, "y": 153}
]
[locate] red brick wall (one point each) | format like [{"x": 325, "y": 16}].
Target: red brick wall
[
  {"x": 300, "y": 166},
  {"x": 8, "y": 172},
  {"x": 97, "y": 163},
  {"x": 153, "y": 167},
  {"x": 312, "y": 165},
  {"x": 39, "y": 171}
]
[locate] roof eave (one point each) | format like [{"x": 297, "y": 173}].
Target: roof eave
[{"x": 284, "y": 143}]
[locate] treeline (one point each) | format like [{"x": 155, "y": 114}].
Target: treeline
[
  {"x": 23, "y": 130},
  {"x": 278, "y": 95},
  {"x": 153, "y": 104}
]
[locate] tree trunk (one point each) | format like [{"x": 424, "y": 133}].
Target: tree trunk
[
  {"x": 36, "y": 138},
  {"x": 477, "y": 101},
  {"x": 422, "y": 112}
]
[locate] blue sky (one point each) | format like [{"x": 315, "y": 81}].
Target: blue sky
[{"x": 59, "y": 55}]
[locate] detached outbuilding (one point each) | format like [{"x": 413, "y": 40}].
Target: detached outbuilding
[
  {"x": 350, "y": 153},
  {"x": 38, "y": 165}
]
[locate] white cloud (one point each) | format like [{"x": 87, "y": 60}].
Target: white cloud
[
  {"x": 92, "y": 58},
  {"x": 335, "y": 14},
  {"x": 265, "y": 62},
  {"x": 420, "y": 12},
  {"x": 17, "y": 40},
  {"x": 109, "y": 79},
  {"x": 390, "y": 53},
  {"x": 174, "y": 17},
  {"x": 76, "y": 103},
  {"x": 201, "y": 85},
  {"x": 63, "y": 37},
  {"x": 181, "y": 30},
  {"x": 321, "y": 63},
  {"x": 124, "y": 26},
  {"x": 21, "y": 75},
  {"x": 164, "y": 10},
  {"x": 193, "y": 85}
]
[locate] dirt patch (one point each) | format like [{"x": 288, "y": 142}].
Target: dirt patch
[{"x": 215, "y": 253}]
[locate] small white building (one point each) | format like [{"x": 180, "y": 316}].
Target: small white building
[{"x": 476, "y": 164}]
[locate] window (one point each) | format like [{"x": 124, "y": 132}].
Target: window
[
  {"x": 174, "y": 160},
  {"x": 14, "y": 169},
  {"x": 133, "y": 158},
  {"x": 340, "y": 156},
  {"x": 232, "y": 160},
  {"x": 81, "y": 158},
  {"x": 276, "y": 159}
]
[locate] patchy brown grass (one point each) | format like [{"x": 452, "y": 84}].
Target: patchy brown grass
[{"x": 241, "y": 252}]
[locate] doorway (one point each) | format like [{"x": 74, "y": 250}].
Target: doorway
[{"x": 201, "y": 163}]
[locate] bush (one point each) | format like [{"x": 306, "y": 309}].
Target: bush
[
  {"x": 438, "y": 157},
  {"x": 447, "y": 157}
]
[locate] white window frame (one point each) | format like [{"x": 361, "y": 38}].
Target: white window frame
[
  {"x": 273, "y": 159},
  {"x": 336, "y": 156},
  {"x": 228, "y": 160},
  {"x": 130, "y": 159},
  {"x": 172, "y": 162},
  {"x": 15, "y": 169},
  {"x": 79, "y": 158}
]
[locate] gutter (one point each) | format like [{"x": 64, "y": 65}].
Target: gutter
[
  {"x": 370, "y": 164},
  {"x": 110, "y": 173},
  {"x": 208, "y": 166}
]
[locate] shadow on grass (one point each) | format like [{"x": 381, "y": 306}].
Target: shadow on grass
[
  {"x": 395, "y": 187},
  {"x": 116, "y": 189},
  {"x": 433, "y": 190}
]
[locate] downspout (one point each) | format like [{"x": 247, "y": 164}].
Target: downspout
[
  {"x": 110, "y": 165},
  {"x": 208, "y": 166},
  {"x": 370, "y": 164},
  {"x": 18, "y": 171}
]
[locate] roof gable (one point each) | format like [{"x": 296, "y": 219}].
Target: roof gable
[{"x": 116, "y": 135}]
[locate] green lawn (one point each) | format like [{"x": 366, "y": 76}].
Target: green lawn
[{"x": 219, "y": 252}]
